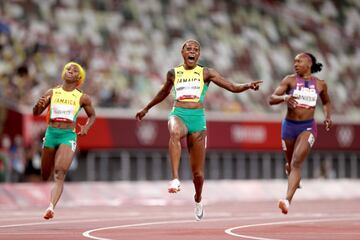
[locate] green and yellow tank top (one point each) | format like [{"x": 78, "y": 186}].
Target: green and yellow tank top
[
  {"x": 64, "y": 105},
  {"x": 189, "y": 85}
]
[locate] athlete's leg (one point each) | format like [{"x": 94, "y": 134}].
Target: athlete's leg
[
  {"x": 197, "y": 145},
  {"x": 288, "y": 149},
  {"x": 302, "y": 148},
  {"x": 177, "y": 130},
  {"x": 47, "y": 162},
  {"x": 63, "y": 159}
]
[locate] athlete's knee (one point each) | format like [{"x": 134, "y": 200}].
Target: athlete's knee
[
  {"x": 59, "y": 174},
  {"x": 296, "y": 164},
  {"x": 175, "y": 135}
]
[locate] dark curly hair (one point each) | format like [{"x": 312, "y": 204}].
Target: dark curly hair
[{"x": 315, "y": 66}]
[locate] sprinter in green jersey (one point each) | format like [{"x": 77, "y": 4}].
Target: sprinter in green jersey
[{"x": 189, "y": 83}]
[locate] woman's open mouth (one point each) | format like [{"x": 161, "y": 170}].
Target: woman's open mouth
[{"x": 191, "y": 58}]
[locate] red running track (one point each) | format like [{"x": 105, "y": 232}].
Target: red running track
[{"x": 307, "y": 220}]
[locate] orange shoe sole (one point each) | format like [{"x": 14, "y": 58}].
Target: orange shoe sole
[
  {"x": 283, "y": 207},
  {"x": 173, "y": 190},
  {"x": 49, "y": 213}
]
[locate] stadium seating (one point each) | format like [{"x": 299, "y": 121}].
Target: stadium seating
[{"x": 128, "y": 46}]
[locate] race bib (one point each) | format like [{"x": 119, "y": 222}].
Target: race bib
[
  {"x": 61, "y": 111},
  {"x": 188, "y": 91},
  {"x": 306, "y": 97}
]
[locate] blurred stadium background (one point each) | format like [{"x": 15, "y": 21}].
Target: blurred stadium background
[{"x": 128, "y": 46}]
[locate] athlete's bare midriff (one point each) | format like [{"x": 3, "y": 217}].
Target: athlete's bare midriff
[
  {"x": 300, "y": 114},
  {"x": 62, "y": 125},
  {"x": 191, "y": 105}
]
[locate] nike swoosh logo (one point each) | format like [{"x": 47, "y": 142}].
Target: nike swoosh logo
[{"x": 201, "y": 215}]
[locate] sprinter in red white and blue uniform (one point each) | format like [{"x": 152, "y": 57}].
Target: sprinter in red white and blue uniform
[{"x": 300, "y": 92}]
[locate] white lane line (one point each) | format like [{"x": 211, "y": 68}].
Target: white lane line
[
  {"x": 82, "y": 220},
  {"x": 117, "y": 217},
  {"x": 56, "y": 222},
  {"x": 88, "y": 233},
  {"x": 230, "y": 230}
]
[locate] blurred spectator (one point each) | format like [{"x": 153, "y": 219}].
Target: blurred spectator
[
  {"x": 127, "y": 46},
  {"x": 3, "y": 167},
  {"x": 5, "y": 159},
  {"x": 17, "y": 159},
  {"x": 32, "y": 171}
]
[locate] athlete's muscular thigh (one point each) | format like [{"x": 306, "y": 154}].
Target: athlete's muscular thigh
[
  {"x": 196, "y": 146},
  {"x": 63, "y": 158},
  {"x": 288, "y": 149},
  {"x": 302, "y": 148},
  {"x": 177, "y": 127},
  {"x": 47, "y": 162}
]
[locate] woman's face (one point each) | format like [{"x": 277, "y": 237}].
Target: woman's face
[
  {"x": 302, "y": 64},
  {"x": 72, "y": 73},
  {"x": 191, "y": 53}
]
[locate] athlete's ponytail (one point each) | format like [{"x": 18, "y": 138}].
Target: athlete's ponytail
[{"x": 315, "y": 66}]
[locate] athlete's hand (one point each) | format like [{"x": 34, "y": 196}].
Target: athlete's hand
[
  {"x": 140, "y": 115},
  {"x": 44, "y": 101},
  {"x": 255, "y": 85},
  {"x": 291, "y": 101},
  {"x": 83, "y": 130},
  {"x": 328, "y": 124}
]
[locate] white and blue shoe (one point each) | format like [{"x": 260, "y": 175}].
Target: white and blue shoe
[{"x": 199, "y": 211}]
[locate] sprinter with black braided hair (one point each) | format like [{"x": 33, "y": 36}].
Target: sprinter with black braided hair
[{"x": 300, "y": 92}]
